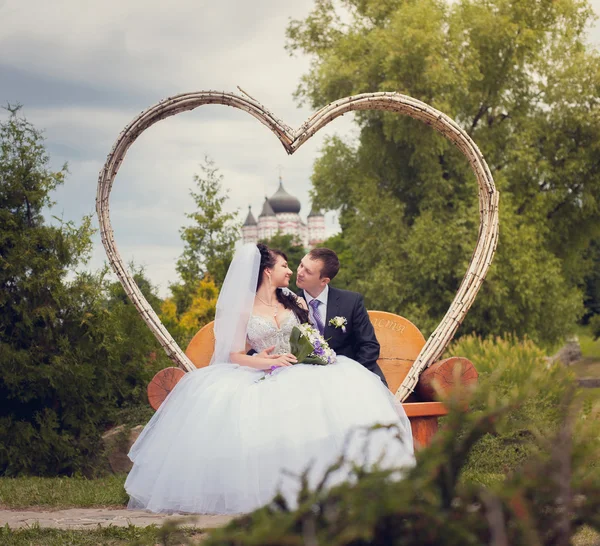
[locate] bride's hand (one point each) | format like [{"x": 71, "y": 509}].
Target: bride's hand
[
  {"x": 266, "y": 353},
  {"x": 286, "y": 359}
]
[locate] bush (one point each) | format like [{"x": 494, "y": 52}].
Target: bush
[
  {"x": 510, "y": 368},
  {"x": 62, "y": 396},
  {"x": 595, "y": 326},
  {"x": 201, "y": 309}
]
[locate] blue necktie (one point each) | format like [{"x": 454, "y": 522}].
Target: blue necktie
[{"x": 316, "y": 316}]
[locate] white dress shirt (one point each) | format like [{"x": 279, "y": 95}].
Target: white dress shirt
[{"x": 322, "y": 309}]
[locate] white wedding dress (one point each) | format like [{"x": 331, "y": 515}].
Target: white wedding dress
[{"x": 225, "y": 441}]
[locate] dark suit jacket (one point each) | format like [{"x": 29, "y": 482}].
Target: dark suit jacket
[{"x": 359, "y": 341}]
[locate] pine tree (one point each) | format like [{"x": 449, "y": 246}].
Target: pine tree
[{"x": 209, "y": 240}]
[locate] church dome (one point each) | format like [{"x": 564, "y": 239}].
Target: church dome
[
  {"x": 282, "y": 201},
  {"x": 250, "y": 221},
  {"x": 266, "y": 210}
]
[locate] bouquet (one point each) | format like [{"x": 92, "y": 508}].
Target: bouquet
[{"x": 309, "y": 346}]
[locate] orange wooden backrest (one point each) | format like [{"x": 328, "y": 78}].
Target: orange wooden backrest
[
  {"x": 200, "y": 349},
  {"x": 401, "y": 341},
  {"x": 399, "y": 338}
]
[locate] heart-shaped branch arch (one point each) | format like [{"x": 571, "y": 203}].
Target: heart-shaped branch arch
[{"x": 292, "y": 140}]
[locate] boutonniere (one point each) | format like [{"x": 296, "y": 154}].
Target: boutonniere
[{"x": 339, "y": 322}]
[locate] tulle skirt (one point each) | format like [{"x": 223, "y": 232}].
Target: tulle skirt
[{"x": 225, "y": 442}]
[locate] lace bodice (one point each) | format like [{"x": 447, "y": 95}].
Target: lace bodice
[{"x": 263, "y": 332}]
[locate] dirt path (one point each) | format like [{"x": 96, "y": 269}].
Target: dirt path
[{"x": 91, "y": 518}]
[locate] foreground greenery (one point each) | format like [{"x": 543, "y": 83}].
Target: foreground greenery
[
  {"x": 522, "y": 466},
  {"x": 551, "y": 498}
]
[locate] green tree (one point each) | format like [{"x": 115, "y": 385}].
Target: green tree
[
  {"x": 521, "y": 80},
  {"x": 209, "y": 240},
  {"x": 71, "y": 352},
  {"x": 345, "y": 277}
]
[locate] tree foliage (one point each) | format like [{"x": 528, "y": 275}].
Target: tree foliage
[
  {"x": 209, "y": 240},
  {"x": 201, "y": 310},
  {"x": 521, "y": 80},
  {"x": 72, "y": 350}
]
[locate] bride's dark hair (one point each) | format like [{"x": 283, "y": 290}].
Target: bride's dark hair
[{"x": 268, "y": 259}]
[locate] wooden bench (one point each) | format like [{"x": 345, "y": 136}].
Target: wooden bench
[{"x": 400, "y": 340}]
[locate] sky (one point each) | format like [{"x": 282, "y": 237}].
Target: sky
[{"x": 83, "y": 69}]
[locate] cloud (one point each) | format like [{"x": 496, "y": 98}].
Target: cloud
[
  {"x": 84, "y": 69},
  {"x": 139, "y": 47}
]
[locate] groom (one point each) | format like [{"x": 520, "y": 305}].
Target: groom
[{"x": 325, "y": 302}]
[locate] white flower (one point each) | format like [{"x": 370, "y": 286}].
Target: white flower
[
  {"x": 321, "y": 348},
  {"x": 339, "y": 322}
]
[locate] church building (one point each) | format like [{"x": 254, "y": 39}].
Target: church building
[{"x": 281, "y": 214}]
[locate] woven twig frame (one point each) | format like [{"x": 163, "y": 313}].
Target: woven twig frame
[{"x": 292, "y": 140}]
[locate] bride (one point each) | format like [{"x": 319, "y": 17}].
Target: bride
[{"x": 231, "y": 435}]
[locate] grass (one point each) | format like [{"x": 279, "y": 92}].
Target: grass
[
  {"x": 63, "y": 492},
  {"x": 590, "y": 395},
  {"x": 589, "y": 365},
  {"x": 71, "y": 492},
  {"x": 169, "y": 533},
  {"x": 586, "y": 367},
  {"x": 589, "y": 347}
]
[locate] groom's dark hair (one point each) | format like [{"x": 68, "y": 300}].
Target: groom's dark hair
[{"x": 331, "y": 263}]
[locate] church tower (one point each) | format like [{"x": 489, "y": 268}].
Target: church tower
[
  {"x": 316, "y": 227},
  {"x": 267, "y": 222},
  {"x": 250, "y": 228}
]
